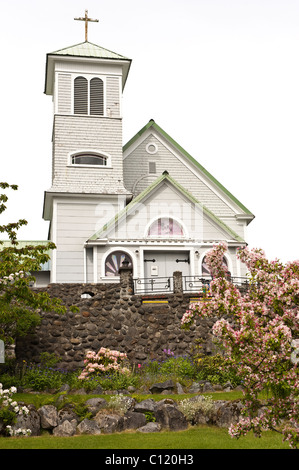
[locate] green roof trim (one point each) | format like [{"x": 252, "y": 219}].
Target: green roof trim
[
  {"x": 88, "y": 49},
  {"x": 147, "y": 191},
  {"x": 155, "y": 126}
]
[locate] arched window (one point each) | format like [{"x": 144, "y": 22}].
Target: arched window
[
  {"x": 96, "y": 97},
  {"x": 80, "y": 95},
  {"x": 165, "y": 227},
  {"x": 114, "y": 261},
  {"x": 89, "y": 97},
  {"x": 205, "y": 270},
  {"x": 87, "y": 158}
]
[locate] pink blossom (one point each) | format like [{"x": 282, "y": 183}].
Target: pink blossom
[{"x": 103, "y": 361}]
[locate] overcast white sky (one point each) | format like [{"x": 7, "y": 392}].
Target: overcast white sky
[{"x": 220, "y": 76}]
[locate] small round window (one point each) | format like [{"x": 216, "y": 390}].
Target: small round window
[
  {"x": 114, "y": 261},
  {"x": 151, "y": 148}
]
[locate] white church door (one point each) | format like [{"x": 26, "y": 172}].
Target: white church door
[{"x": 159, "y": 267}]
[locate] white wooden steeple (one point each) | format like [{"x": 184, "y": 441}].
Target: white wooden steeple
[{"x": 86, "y": 82}]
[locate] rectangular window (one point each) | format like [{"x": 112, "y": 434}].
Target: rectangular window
[{"x": 152, "y": 168}]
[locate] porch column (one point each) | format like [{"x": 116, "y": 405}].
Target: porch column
[
  {"x": 126, "y": 279},
  {"x": 177, "y": 282}
]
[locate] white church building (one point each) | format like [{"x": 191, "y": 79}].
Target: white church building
[{"x": 148, "y": 201}]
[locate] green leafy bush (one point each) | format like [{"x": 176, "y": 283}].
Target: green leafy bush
[
  {"x": 82, "y": 411},
  {"x": 215, "y": 369},
  {"x": 150, "y": 417},
  {"x": 119, "y": 382},
  {"x": 39, "y": 378},
  {"x": 9, "y": 380},
  {"x": 7, "y": 416},
  {"x": 178, "y": 366}
]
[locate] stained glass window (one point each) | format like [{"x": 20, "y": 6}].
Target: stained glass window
[
  {"x": 114, "y": 261},
  {"x": 165, "y": 226}
]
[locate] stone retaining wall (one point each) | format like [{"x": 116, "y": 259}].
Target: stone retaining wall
[
  {"x": 64, "y": 421},
  {"x": 114, "y": 317}
]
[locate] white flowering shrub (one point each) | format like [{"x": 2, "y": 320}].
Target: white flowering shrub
[
  {"x": 9, "y": 410},
  {"x": 119, "y": 403},
  {"x": 201, "y": 403}
]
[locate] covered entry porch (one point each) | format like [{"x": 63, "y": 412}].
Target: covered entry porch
[{"x": 158, "y": 267}]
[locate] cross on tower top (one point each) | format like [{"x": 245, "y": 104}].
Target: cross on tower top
[{"x": 86, "y": 19}]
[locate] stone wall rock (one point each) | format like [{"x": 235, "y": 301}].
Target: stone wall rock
[
  {"x": 134, "y": 420},
  {"x": 49, "y": 416},
  {"x": 95, "y": 404},
  {"x": 109, "y": 423},
  {"x": 31, "y": 421},
  {"x": 88, "y": 426},
  {"x": 171, "y": 418},
  {"x": 66, "y": 429}
]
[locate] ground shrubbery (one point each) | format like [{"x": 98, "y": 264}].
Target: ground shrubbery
[{"x": 46, "y": 375}]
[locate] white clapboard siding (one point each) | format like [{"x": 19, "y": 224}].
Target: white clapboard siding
[
  {"x": 136, "y": 165},
  {"x": 64, "y": 93},
  {"x": 113, "y": 98},
  {"x": 78, "y": 133},
  {"x": 167, "y": 201}
]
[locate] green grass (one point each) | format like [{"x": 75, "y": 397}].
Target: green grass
[{"x": 199, "y": 437}]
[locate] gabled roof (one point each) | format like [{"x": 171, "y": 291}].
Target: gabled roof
[
  {"x": 88, "y": 49},
  {"x": 84, "y": 50},
  {"x": 152, "y": 124},
  {"x": 102, "y": 233}
]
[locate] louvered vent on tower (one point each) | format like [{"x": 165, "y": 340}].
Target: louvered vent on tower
[
  {"x": 96, "y": 97},
  {"x": 80, "y": 95}
]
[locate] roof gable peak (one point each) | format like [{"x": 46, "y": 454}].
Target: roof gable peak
[
  {"x": 164, "y": 178},
  {"x": 153, "y": 125}
]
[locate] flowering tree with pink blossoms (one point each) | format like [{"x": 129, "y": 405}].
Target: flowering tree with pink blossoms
[{"x": 258, "y": 330}]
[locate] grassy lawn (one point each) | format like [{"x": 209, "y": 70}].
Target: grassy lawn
[{"x": 199, "y": 437}]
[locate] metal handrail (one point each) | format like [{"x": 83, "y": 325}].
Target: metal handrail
[
  {"x": 201, "y": 283},
  {"x": 153, "y": 285},
  {"x": 196, "y": 284}
]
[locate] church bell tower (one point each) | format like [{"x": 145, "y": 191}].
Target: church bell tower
[{"x": 86, "y": 83}]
